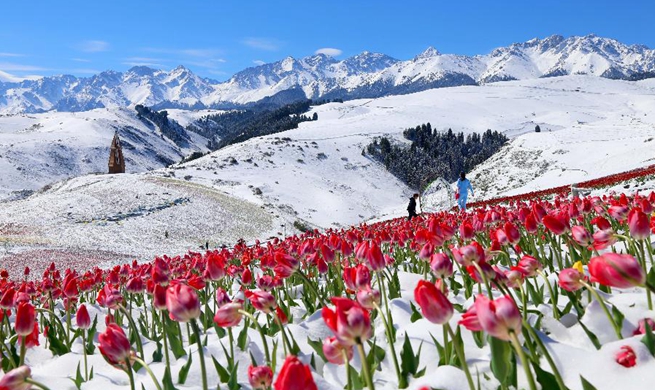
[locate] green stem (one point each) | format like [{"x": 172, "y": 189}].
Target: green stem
[
  {"x": 37, "y": 384},
  {"x": 285, "y": 339},
  {"x": 201, "y": 353},
  {"x": 231, "y": 338},
  {"x": 130, "y": 321},
  {"x": 365, "y": 367},
  {"x": 387, "y": 328},
  {"x": 311, "y": 286},
  {"x": 165, "y": 337},
  {"x": 549, "y": 358},
  {"x": 152, "y": 375},
  {"x": 524, "y": 361},
  {"x": 23, "y": 348},
  {"x": 349, "y": 384},
  {"x": 484, "y": 279},
  {"x": 130, "y": 374},
  {"x": 553, "y": 299},
  {"x": 593, "y": 292},
  {"x": 86, "y": 366},
  {"x": 261, "y": 332},
  {"x": 460, "y": 355}
]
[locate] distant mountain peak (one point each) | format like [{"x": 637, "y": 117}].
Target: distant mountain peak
[{"x": 428, "y": 53}]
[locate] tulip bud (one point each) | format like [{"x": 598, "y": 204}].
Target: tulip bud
[
  {"x": 500, "y": 317},
  {"x": 615, "y": 270},
  {"x": 334, "y": 351},
  {"x": 570, "y": 279},
  {"x": 581, "y": 235},
  {"x": 159, "y": 297},
  {"x": 182, "y": 303},
  {"x": 260, "y": 377},
  {"x": 228, "y": 315},
  {"x": 368, "y": 298},
  {"x": 349, "y": 321},
  {"x": 16, "y": 379},
  {"x": 639, "y": 224},
  {"x": 294, "y": 375},
  {"x": 261, "y": 300},
  {"x": 435, "y": 307},
  {"x": 82, "y": 317},
  {"x": 441, "y": 265},
  {"x": 25, "y": 319},
  {"x": 114, "y": 346}
]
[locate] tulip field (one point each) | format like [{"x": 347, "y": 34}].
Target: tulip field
[{"x": 531, "y": 294}]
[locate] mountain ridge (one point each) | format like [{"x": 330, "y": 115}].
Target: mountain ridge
[{"x": 365, "y": 75}]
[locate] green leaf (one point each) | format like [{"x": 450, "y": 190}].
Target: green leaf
[
  {"x": 318, "y": 347},
  {"x": 157, "y": 356},
  {"x": 478, "y": 337},
  {"x": 78, "y": 380},
  {"x": 223, "y": 375},
  {"x": 355, "y": 379},
  {"x": 375, "y": 356},
  {"x": 586, "y": 385},
  {"x": 167, "y": 381},
  {"x": 408, "y": 362},
  {"x": 650, "y": 278},
  {"x": 441, "y": 351},
  {"x": 184, "y": 371},
  {"x": 415, "y": 314},
  {"x": 56, "y": 346},
  {"x": 295, "y": 349},
  {"x": 618, "y": 316},
  {"x": 174, "y": 339},
  {"x": 591, "y": 335},
  {"x": 501, "y": 359},
  {"x": 232, "y": 383},
  {"x": 242, "y": 339},
  {"x": 649, "y": 339},
  {"x": 545, "y": 378}
]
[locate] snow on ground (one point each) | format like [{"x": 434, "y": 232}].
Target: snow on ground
[
  {"x": 184, "y": 117},
  {"x": 590, "y": 127},
  {"x": 117, "y": 218},
  {"x": 39, "y": 149}
]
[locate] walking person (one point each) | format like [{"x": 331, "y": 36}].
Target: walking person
[
  {"x": 463, "y": 187},
  {"x": 411, "y": 208}
]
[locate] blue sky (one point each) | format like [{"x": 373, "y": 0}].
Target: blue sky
[{"x": 220, "y": 37}]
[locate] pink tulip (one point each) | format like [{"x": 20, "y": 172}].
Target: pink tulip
[
  {"x": 470, "y": 320},
  {"x": 260, "y": 377},
  {"x": 529, "y": 266},
  {"x": 441, "y": 265},
  {"x": 182, "y": 303},
  {"x": 16, "y": 379},
  {"x": 368, "y": 298},
  {"x": 435, "y": 307},
  {"x": 615, "y": 270},
  {"x": 581, "y": 235},
  {"x": 334, "y": 351},
  {"x": 114, "y": 346},
  {"x": 228, "y": 315},
  {"x": 261, "y": 300},
  {"x": 570, "y": 279},
  {"x": 500, "y": 317},
  {"x": 82, "y": 317}
]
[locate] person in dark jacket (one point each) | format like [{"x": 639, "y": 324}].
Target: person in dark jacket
[{"x": 411, "y": 208}]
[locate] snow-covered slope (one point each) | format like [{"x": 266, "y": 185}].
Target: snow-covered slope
[
  {"x": 38, "y": 149},
  {"x": 365, "y": 75},
  {"x": 590, "y": 127}
]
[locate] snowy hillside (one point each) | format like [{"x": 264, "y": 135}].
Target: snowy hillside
[
  {"x": 366, "y": 75},
  {"x": 38, "y": 149},
  {"x": 590, "y": 127}
]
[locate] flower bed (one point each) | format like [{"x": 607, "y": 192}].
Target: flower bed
[{"x": 551, "y": 294}]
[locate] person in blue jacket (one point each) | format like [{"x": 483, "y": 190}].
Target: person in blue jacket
[{"x": 463, "y": 187}]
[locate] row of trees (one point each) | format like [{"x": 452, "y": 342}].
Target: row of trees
[
  {"x": 434, "y": 154},
  {"x": 169, "y": 128},
  {"x": 238, "y": 126}
]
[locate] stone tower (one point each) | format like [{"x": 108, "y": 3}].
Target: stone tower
[{"x": 116, "y": 160}]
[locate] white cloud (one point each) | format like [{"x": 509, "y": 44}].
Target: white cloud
[
  {"x": 329, "y": 51},
  {"x": 8, "y": 77},
  {"x": 258, "y": 62},
  {"x": 144, "y": 61},
  {"x": 11, "y": 55},
  {"x": 10, "y": 66},
  {"x": 93, "y": 46},
  {"x": 267, "y": 44},
  {"x": 80, "y": 60}
]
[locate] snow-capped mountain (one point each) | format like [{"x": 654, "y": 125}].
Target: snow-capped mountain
[{"x": 365, "y": 75}]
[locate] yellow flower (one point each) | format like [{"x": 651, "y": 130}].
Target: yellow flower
[{"x": 578, "y": 266}]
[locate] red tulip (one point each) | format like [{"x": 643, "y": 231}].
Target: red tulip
[
  {"x": 435, "y": 307},
  {"x": 32, "y": 339},
  {"x": 182, "y": 303},
  {"x": 639, "y": 224},
  {"x": 618, "y": 212},
  {"x": 260, "y": 377},
  {"x": 626, "y": 357},
  {"x": 570, "y": 279},
  {"x": 349, "y": 321},
  {"x": 294, "y": 375},
  {"x": 221, "y": 297},
  {"x": 375, "y": 258},
  {"x": 159, "y": 297},
  {"x": 466, "y": 231},
  {"x": 82, "y": 317},
  {"x": 558, "y": 225},
  {"x": 261, "y": 300},
  {"x": 109, "y": 297},
  {"x": 135, "y": 285},
  {"x": 512, "y": 233},
  {"x": 531, "y": 224},
  {"x": 16, "y": 379},
  {"x": 246, "y": 276},
  {"x": 333, "y": 351},
  {"x": 285, "y": 265},
  {"x": 114, "y": 346},
  {"x": 603, "y": 239},
  {"x": 7, "y": 301},
  {"x": 615, "y": 270},
  {"x": 71, "y": 290},
  {"x": 25, "y": 319},
  {"x": 499, "y": 317},
  {"x": 228, "y": 315},
  {"x": 216, "y": 266}
]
